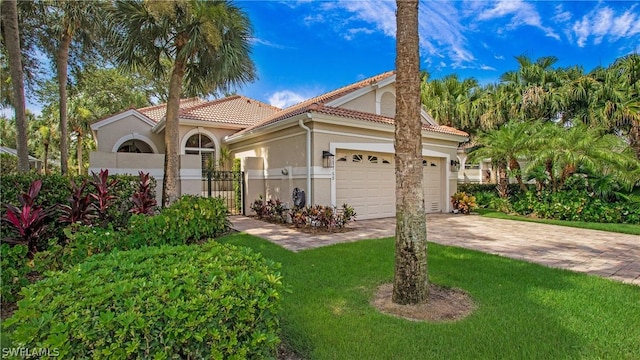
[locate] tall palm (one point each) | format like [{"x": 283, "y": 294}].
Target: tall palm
[
  {"x": 449, "y": 100},
  {"x": 63, "y": 25},
  {"x": 11, "y": 37},
  {"x": 206, "y": 45},
  {"x": 80, "y": 117},
  {"x": 410, "y": 282}
]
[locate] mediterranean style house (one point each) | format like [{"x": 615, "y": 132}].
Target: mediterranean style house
[{"x": 337, "y": 147}]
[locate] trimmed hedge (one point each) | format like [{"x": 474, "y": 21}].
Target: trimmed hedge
[
  {"x": 189, "y": 220},
  {"x": 210, "y": 301},
  {"x": 473, "y": 189},
  {"x": 56, "y": 189}
]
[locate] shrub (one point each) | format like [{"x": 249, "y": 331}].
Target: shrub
[
  {"x": 237, "y": 184},
  {"x": 56, "y": 189},
  {"x": 8, "y": 164},
  {"x": 13, "y": 261},
  {"x": 463, "y": 202},
  {"x": 143, "y": 202},
  {"x": 187, "y": 221},
  {"x": 79, "y": 208},
  {"x": 483, "y": 198},
  {"x": 103, "y": 194},
  {"x": 473, "y": 188},
  {"x": 214, "y": 301},
  {"x": 27, "y": 221},
  {"x": 322, "y": 217}
]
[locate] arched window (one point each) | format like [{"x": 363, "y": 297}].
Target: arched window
[
  {"x": 203, "y": 145},
  {"x": 135, "y": 146}
]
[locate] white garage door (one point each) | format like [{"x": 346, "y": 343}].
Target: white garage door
[{"x": 366, "y": 181}]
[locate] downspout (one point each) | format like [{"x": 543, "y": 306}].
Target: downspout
[{"x": 302, "y": 125}]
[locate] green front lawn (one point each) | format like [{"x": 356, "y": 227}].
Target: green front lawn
[
  {"x": 618, "y": 228},
  {"x": 524, "y": 311}
]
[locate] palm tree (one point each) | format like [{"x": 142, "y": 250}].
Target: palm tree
[
  {"x": 505, "y": 146},
  {"x": 80, "y": 116},
  {"x": 579, "y": 149},
  {"x": 11, "y": 36},
  {"x": 64, "y": 24},
  {"x": 410, "y": 283},
  {"x": 449, "y": 100},
  {"x": 206, "y": 45}
]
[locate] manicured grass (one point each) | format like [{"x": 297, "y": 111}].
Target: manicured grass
[
  {"x": 618, "y": 228},
  {"x": 524, "y": 311}
]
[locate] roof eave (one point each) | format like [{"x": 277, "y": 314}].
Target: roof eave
[{"x": 278, "y": 125}]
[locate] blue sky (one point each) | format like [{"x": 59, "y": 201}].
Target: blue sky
[{"x": 305, "y": 48}]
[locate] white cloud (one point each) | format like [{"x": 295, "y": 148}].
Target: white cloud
[
  {"x": 487, "y": 67},
  {"x": 351, "y": 33},
  {"x": 603, "y": 22},
  {"x": 561, "y": 15},
  {"x": 521, "y": 13},
  {"x": 441, "y": 30},
  {"x": 266, "y": 43},
  {"x": 313, "y": 19},
  {"x": 285, "y": 98},
  {"x": 498, "y": 57}
]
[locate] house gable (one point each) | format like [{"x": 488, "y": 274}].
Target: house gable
[{"x": 120, "y": 116}]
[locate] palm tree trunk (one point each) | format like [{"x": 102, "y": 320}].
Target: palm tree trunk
[
  {"x": 46, "y": 158},
  {"x": 503, "y": 181},
  {"x": 410, "y": 282},
  {"x": 62, "y": 62},
  {"x": 634, "y": 138},
  {"x": 514, "y": 165},
  {"x": 79, "y": 153},
  {"x": 12, "y": 41},
  {"x": 170, "y": 191}
]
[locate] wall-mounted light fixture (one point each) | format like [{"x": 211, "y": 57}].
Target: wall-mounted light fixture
[
  {"x": 327, "y": 159},
  {"x": 455, "y": 165}
]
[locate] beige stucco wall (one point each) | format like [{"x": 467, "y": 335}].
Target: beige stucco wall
[
  {"x": 109, "y": 134},
  {"x": 130, "y": 164},
  {"x": 365, "y": 103},
  {"x": 285, "y": 151}
]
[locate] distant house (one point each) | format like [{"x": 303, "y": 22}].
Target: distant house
[
  {"x": 337, "y": 147},
  {"x": 34, "y": 163}
]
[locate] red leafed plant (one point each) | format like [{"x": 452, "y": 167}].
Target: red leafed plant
[
  {"x": 28, "y": 221},
  {"x": 80, "y": 208},
  {"x": 143, "y": 202},
  {"x": 102, "y": 196}
]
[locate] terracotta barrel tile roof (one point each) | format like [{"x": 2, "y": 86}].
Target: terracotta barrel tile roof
[
  {"x": 157, "y": 112},
  {"x": 304, "y": 106},
  {"x": 234, "y": 109}
]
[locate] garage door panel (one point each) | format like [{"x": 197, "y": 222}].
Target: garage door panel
[{"x": 368, "y": 183}]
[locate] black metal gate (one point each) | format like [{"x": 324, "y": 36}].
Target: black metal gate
[{"x": 228, "y": 185}]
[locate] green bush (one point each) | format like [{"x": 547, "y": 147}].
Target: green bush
[
  {"x": 8, "y": 164},
  {"x": 237, "y": 184},
  {"x": 14, "y": 265},
  {"x": 188, "y": 221},
  {"x": 190, "y": 302},
  {"x": 473, "y": 188},
  {"x": 56, "y": 189},
  {"x": 575, "y": 205}
]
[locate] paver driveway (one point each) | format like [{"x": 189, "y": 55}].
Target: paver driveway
[{"x": 612, "y": 255}]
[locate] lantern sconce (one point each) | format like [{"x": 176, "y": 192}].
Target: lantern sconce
[
  {"x": 327, "y": 159},
  {"x": 455, "y": 165}
]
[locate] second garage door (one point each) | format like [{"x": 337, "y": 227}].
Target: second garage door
[{"x": 366, "y": 181}]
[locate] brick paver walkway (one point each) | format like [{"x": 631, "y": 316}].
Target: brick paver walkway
[{"x": 612, "y": 255}]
